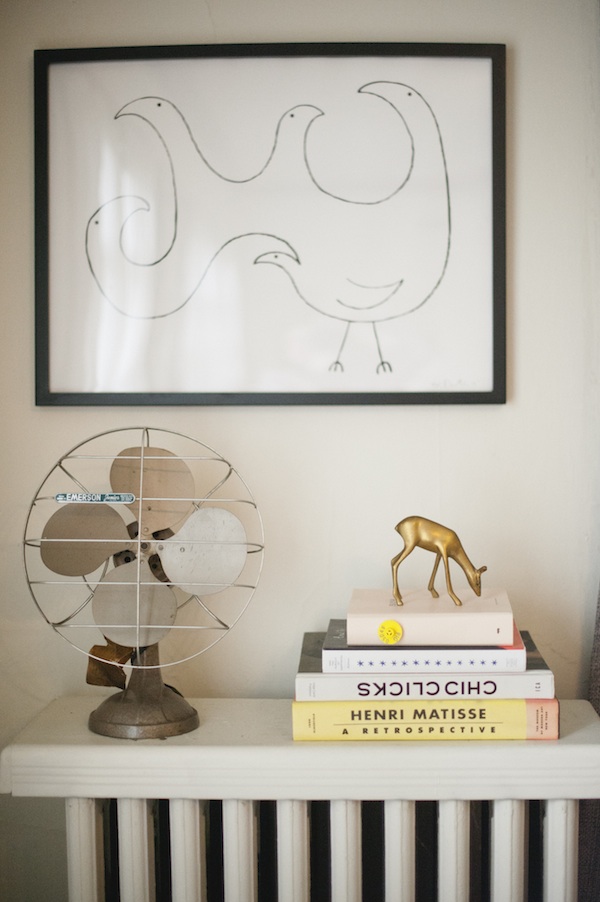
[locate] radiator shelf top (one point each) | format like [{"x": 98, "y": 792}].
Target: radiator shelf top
[{"x": 243, "y": 749}]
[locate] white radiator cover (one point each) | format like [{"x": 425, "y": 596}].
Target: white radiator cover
[{"x": 243, "y": 754}]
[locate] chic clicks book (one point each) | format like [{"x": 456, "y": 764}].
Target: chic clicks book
[
  {"x": 374, "y": 618},
  {"x": 339, "y": 657},
  {"x": 426, "y": 720},
  {"x": 537, "y": 681}
]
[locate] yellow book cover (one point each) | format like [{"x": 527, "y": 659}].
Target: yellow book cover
[{"x": 426, "y": 720}]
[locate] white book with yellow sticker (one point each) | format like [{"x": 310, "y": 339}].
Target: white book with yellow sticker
[{"x": 375, "y": 619}]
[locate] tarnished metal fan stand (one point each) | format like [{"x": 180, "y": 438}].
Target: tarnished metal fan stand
[{"x": 146, "y": 709}]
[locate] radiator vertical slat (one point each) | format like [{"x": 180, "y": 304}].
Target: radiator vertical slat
[
  {"x": 399, "y": 833},
  {"x": 293, "y": 851},
  {"x": 507, "y": 868},
  {"x": 136, "y": 850},
  {"x": 453, "y": 851},
  {"x": 85, "y": 869},
  {"x": 240, "y": 859},
  {"x": 346, "y": 864},
  {"x": 560, "y": 850},
  {"x": 187, "y": 820}
]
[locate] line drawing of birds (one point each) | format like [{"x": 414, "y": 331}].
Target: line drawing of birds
[
  {"x": 210, "y": 213},
  {"x": 403, "y": 236},
  {"x": 359, "y": 261}
]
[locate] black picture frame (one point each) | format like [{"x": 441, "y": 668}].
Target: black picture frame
[{"x": 428, "y": 267}]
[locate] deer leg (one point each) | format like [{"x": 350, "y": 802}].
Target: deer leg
[
  {"x": 430, "y": 585},
  {"x": 396, "y": 561},
  {"x": 451, "y": 592}
]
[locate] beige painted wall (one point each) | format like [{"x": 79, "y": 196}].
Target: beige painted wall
[{"x": 520, "y": 482}]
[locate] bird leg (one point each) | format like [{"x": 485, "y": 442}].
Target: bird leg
[
  {"x": 383, "y": 366},
  {"x": 337, "y": 365}
]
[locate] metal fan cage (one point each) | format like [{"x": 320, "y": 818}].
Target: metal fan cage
[{"x": 83, "y": 476}]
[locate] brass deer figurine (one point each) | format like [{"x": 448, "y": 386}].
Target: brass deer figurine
[{"x": 422, "y": 533}]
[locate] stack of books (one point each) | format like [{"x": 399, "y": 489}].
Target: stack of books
[{"x": 426, "y": 670}]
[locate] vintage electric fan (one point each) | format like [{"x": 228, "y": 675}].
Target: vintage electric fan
[{"x": 139, "y": 536}]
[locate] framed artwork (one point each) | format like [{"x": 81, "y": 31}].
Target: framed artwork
[{"x": 270, "y": 224}]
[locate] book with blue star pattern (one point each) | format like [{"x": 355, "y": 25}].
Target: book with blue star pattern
[{"x": 340, "y": 657}]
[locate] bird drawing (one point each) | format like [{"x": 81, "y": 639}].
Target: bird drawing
[
  {"x": 357, "y": 260},
  {"x": 209, "y": 213},
  {"x": 372, "y": 261}
]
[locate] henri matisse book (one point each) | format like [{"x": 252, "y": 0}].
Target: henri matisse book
[
  {"x": 537, "y": 681},
  {"x": 374, "y": 618},
  {"x": 339, "y": 657},
  {"x": 426, "y": 720}
]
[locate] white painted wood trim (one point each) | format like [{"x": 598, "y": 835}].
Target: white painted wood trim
[{"x": 243, "y": 749}]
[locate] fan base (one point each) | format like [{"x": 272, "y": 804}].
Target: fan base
[{"x": 126, "y": 716}]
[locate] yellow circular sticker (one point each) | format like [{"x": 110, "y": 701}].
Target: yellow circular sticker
[{"x": 390, "y": 632}]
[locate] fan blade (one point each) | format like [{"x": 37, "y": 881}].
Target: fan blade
[
  {"x": 78, "y": 538},
  {"x": 207, "y": 554},
  {"x": 132, "y": 608},
  {"x": 167, "y": 487}
]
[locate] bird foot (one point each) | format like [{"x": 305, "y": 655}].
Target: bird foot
[
  {"x": 384, "y": 367},
  {"x": 336, "y": 367}
]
